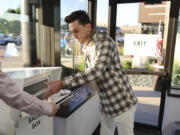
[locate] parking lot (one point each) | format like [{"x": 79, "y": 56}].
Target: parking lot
[{"x": 13, "y": 61}]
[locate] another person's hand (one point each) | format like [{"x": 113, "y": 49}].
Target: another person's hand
[
  {"x": 55, "y": 108},
  {"x": 54, "y": 87}
]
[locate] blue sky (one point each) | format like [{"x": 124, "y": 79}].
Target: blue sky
[
  {"x": 127, "y": 14},
  {"x": 68, "y": 6}
]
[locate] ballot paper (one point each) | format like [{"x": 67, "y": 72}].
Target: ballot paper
[{"x": 60, "y": 96}]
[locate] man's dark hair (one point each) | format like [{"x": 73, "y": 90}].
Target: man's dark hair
[{"x": 79, "y": 15}]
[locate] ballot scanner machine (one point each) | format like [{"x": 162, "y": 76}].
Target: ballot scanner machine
[
  {"x": 78, "y": 113},
  {"x": 31, "y": 80}
]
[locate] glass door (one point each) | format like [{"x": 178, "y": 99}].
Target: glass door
[
  {"x": 71, "y": 51},
  {"x": 141, "y": 36},
  {"x": 10, "y": 34}
]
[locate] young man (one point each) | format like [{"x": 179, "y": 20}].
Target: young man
[
  {"x": 117, "y": 100},
  {"x": 23, "y": 101}
]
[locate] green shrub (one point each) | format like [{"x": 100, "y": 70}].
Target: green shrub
[
  {"x": 176, "y": 74},
  {"x": 126, "y": 64},
  {"x": 80, "y": 65},
  {"x": 121, "y": 50},
  {"x": 147, "y": 65}
]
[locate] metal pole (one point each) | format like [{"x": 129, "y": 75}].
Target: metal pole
[{"x": 28, "y": 37}]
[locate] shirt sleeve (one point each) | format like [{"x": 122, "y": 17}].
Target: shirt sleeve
[
  {"x": 103, "y": 52},
  {"x": 21, "y": 100}
]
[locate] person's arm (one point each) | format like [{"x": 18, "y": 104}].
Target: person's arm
[
  {"x": 21, "y": 100},
  {"x": 104, "y": 50}
]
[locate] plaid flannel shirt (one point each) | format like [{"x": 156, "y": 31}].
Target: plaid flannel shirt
[{"x": 115, "y": 92}]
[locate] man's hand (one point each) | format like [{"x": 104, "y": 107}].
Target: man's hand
[
  {"x": 55, "y": 108},
  {"x": 54, "y": 87}
]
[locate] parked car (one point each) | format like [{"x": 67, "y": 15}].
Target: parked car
[
  {"x": 119, "y": 39},
  {"x": 18, "y": 40},
  {"x": 3, "y": 36},
  {"x": 3, "y": 42},
  {"x": 10, "y": 39}
]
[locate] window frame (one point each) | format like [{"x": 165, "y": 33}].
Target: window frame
[{"x": 171, "y": 31}]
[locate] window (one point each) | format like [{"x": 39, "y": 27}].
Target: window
[
  {"x": 10, "y": 34},
  {"x": 176, "y": 65},
  {"x": 71, "y": 55},
  {"x": 141, "y": 35},
  {"x": 102, "y": 17}
]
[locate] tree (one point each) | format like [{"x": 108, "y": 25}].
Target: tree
[
  {"x": 16, "y": 11},
  {"x": 11, "y": 11},
  {"x": 7, "y": 27}
]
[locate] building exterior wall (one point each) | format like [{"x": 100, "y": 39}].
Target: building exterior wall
[{"x": 149, "y": 13}]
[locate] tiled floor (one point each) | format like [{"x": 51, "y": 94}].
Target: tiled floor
[{"x": 147, "y": 111}]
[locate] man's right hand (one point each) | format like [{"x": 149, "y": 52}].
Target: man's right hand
[
  {"x": 54, "y": 110},
  {"x": 54, "y": 87}
]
